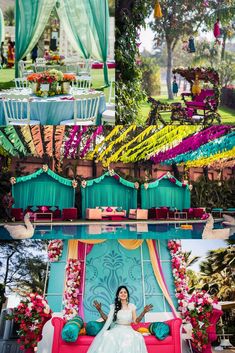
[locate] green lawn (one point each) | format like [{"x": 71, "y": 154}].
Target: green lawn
[
  {"x": 227, "y": 114},
  {"x": 7, "y": 79}
]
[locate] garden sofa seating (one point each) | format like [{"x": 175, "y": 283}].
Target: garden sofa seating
[
  {"x": 56, "y": 213},
  {"x": 200, "y": 101},
  {"x": 170, "y": 344},
  {"x": 69, "y": 214},
  {"x": 158, "y": 213},
  {"x": 138, "y": 214},
  {"x": 194, "y": 213},
  {"x": 17, "y": 213},
  {"x": 104, "y": 211}
]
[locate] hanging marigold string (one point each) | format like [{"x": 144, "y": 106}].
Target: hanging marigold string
[
  {"x": 12, "y": 135},
  {"x": 210, "y": 160},
  {"x": 26, "y": 132},
  {"x": 59, "y": 136},
  {"x": 48, "y": 139},
  {"x": 37, "y": 139}
]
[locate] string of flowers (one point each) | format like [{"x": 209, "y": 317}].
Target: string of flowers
[
  {"x": 195, "y": 308},
  {"x": 55, "y": 250},
  {"x": 31, "y": 315},
  {"x": 72, "y": 289}
]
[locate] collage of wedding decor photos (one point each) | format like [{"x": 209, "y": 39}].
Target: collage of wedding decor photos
[{"x": 117, "y": 165}]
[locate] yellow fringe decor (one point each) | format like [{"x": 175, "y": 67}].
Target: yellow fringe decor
[
  {"x": 114, "y": 132},
  {"x": 115, "y": 156},
  {"x": 3, "y": 152},
  {"x": 26, "y": 132},
  {"x": 210, "y": 160},
  {"x": 157, "y": 10}
]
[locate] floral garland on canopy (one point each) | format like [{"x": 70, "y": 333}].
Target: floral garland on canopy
[
  {"x": 196, "y": 308},
  {"x": 31, "y": 315},
  {"x": 55, "y": 250},
  {"x": 72, "y": 289}
]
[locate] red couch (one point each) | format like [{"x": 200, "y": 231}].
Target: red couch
[{"x": 172, "y": 344}]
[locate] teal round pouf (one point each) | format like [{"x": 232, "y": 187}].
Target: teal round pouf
[{"x": 71, "y": 329}]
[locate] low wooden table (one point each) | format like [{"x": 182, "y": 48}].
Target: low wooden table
[{"x": 38, "y": 219}]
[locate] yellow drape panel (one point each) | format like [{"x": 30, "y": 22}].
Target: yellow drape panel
[
  {"x": 158, "y": 276},
  {"x": 92, "y": 241},
  {"x": 73, "y": 249},
  {"x": 130, "y": 244}
]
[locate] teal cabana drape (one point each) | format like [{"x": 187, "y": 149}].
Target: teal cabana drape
[
  {"x": 108, "y": 191},
  {"x": 31, "y": 17},
  {"x": 87, "y": 25},
  {"x": 2, "y": 27},
  {"x": 43, "y": 189},
  {"x": 164, "y": 193}
]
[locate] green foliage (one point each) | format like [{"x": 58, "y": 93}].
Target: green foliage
[
  {"x": 130, "y": 15},
  {"x": 211, "y": 193},
  {"x": 151, "y": 79},
  {"x": 9, "y": 16}
]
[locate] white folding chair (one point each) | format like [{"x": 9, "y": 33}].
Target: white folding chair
[
  {"x": 21, "y": 83},
  {"x": 85, "y": 67},
  {"x": 23, "y": 71},
  {"x": 85, "y": 111},
  {"x": 111, "y": 102},
  {"x": 82, "y": 82},
  {"x": 108, "y": 116},
  {"x": 16, "y": 113}
]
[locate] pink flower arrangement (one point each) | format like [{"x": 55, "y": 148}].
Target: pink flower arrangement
[
  {"x": 72, "y": 289},
  {"x": 195, "y": 308},
  {"x": 31, "y": 315},
  {"x": 55, "y": 250}
]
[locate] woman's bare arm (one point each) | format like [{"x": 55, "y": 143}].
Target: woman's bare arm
[{"x": 147, "y": 308}]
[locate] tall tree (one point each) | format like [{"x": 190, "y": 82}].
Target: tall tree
[
  {"x": 181, "y": 18},
  {"x": 22, "y": 269},
  {"x": 9, "y": 16}
]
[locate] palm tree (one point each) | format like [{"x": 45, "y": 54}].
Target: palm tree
[{"x": 9, "y": 16}]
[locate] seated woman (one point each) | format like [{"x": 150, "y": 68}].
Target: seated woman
[{"x": 117, "y": 335}]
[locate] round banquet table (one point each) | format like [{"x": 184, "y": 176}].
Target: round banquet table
[{"x": 53, "y": 110}]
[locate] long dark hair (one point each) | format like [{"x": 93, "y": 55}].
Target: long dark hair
[{"x": 118, "y": 303}]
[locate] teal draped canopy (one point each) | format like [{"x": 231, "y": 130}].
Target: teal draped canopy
[
  {"x": 108, "y": 191},
  {"x": 86, "y": 23},
  {"x": 2, "y": 27},
  {"x": 165, "y": 194},
  {"x": 43, "y": 189}
]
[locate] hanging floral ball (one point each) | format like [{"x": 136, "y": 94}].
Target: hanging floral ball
[
  {"x": 168, "y": 174},
  {"x": 190, "y": 187},
  {"x": 111, "y": 172},
  {"x": 146, "y": 185},
  {"x": 83, "y": 183},
  {"x": 55, "y": 250},
  {"x": 137, "y": 185},
  {"x": 45, "y": 168},
  {"x": 13, "y": 180},
  {"x": 74, "y": 183}
]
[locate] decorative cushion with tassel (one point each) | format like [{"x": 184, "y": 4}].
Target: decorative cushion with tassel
[
  {"x": 157, "y": 10},
  {"x": 71, "y": 329},
  {"x": 160, "y": 330},
  {"x": 94, "y": 327}
]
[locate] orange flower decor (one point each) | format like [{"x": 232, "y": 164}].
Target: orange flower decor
[
  {"x": 69, "y": 77},
  {"x": 33, "y": 77}
]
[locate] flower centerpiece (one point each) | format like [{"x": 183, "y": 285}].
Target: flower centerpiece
[
  {"x": 47, "y": 82},
  {"x": 72, "y": 289},
  {"x": 33, "y": 79},
  {"x": 66, "y": 81},
  {"x": 53, "y": 58},
  {"x": 31, "y": 315}
]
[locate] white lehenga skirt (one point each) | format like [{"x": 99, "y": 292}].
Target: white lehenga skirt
[{"x": 122, "y": 339}]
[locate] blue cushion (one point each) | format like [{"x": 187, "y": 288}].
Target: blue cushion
[
  {"x": 217, "y": 209},
  {"x": 94, "y": 327},
  {"x": 71, "y": 329},
  {"x": 160, "y": 330},
  {"x": 231, "y": 209},
  {"x": 119, "y": 209}
]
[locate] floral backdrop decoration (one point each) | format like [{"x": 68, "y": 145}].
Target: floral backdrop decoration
[
  {"x": 195, "y": 308},
  {"x": 72, "y": 289},
  {"x": 31, "y": 315},
  {"x": 55, "y": 250}
]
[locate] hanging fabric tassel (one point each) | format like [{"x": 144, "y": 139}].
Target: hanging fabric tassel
[
  {"x": 175, "y": 87},
  {"x": 196, "y": 89},
  {"x": 217, "y": 31},
  {"x": 157, "y": 10},
  {"x": 191, "y": 45}
]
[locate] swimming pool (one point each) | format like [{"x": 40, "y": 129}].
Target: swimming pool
[{"x": 116, "y": 231}]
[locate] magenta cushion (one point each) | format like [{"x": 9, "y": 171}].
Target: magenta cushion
[{"x": 109, "y": 209}]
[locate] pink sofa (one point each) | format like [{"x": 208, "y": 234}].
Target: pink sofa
[
  {"x": 171, "y": 344},
  {"x": 138, "y": 214},
  {"x": 97, "y": 213}
]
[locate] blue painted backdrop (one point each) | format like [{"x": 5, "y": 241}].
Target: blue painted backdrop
[{"x": 107, "y": 266}]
